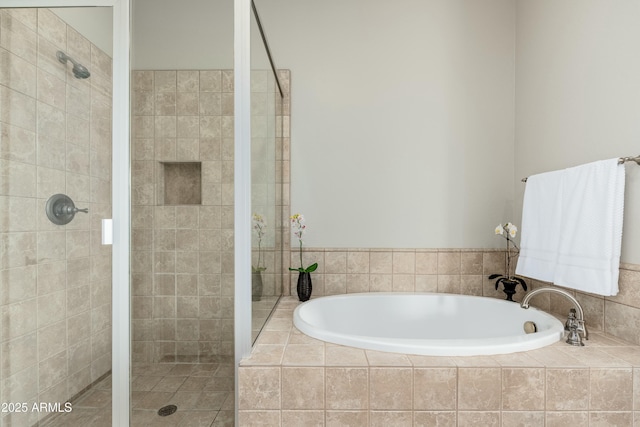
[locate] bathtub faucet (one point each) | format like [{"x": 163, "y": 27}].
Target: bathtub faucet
[{"x": 575, "y": 322}]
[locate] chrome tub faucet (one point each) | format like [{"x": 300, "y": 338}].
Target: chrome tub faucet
[{"x": 575, "y": 321}]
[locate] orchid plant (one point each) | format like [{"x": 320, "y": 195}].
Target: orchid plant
[
  {"x": 259, "y": 226},
  {"x": 298, "y": 228},
  {"x": 508, "y": 231}
]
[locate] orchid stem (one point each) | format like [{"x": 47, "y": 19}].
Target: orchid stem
[
  {"x": 259, "y": 252},
  {"x": 301, "y": 267}
]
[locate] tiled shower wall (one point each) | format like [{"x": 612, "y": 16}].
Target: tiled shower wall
[
  {"x": 182, "y": 260},
  {"x": 182, "y": 254},
  {"x": 462, "y": 271},
  {"x": 55, "y": 137}
]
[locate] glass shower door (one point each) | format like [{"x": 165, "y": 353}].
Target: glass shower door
[
  {"x": 56, "y": 99},
  {"x": 267, "y": 199}
]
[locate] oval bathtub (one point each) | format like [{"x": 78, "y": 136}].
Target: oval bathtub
[{"x": 426, "y": 323}]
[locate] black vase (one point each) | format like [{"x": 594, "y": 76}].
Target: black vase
[
  {"x": 509, "y": 287},
  {"x": 304, "y": 286},
  {"x": 256, "y": 286}
]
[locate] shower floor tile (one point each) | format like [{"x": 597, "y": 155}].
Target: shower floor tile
[{"x": 203, "y": 394}]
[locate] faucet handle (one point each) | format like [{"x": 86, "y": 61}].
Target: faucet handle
[
  {"x": 571, "y": 320},
  {"x": 573, "y": 337}
]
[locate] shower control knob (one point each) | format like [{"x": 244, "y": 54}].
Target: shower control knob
[
  {"x": 68, "y": 209},
  {"x": 61, "y": 210}
]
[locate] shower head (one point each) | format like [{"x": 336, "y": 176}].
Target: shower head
[{"x": 79, "y": 70}]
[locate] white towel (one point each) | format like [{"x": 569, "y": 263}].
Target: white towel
[
  {"x": 574, "y": 242},
  {"x": 592, "y": 206},
  {"x": 541, "y": 221}
]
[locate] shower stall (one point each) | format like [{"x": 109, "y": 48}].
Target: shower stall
[
  {"x": 55, "y": 157},
  {"x": 68, "y": 298}
]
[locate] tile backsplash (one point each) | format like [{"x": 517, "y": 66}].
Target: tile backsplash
[
  {"x": 461, "y": 271},
  {"x": 401, "y": 270}
]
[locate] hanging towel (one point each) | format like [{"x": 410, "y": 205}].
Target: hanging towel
[
  {"x": 541, "y": 222},
  {"x": 591, "y": 232}
]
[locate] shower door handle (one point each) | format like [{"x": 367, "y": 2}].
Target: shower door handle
[{"x": 107, "y": 231}]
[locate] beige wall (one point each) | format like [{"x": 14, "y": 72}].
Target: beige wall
[
  {"x": 578, "y": 93},
  {"x": 410, "y": 143},
  {"x": 408, "y": 131},
  {"x": 403, "y": 124},
  {"x": 184, "y": 34},
  {"x": 94, "y": 23},
  {"x": 55, "y": 298},
  {"x": 366, "y": 140}
]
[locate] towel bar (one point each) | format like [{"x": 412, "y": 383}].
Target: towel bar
[
  {"x": 636, "y": 159},
  {"x": 621, "y": 160}
]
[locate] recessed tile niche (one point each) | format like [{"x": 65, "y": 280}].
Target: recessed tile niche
[{"x": 180, "y": 183}]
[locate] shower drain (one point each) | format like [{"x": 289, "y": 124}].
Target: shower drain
[{"x": 167, "y": 410}]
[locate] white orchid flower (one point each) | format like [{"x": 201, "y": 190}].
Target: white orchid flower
[
  {"x": 259, "y": 225},
  {"x": 511, "y": 231},
  {"x": 297, "y": 226}
]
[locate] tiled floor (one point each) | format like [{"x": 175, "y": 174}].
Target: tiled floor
[{"x": 203, "y": 394}]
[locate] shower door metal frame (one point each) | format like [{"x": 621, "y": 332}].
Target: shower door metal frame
[
  {"x": 242, "y": 186},
  {"x": 120, "y": 195}
]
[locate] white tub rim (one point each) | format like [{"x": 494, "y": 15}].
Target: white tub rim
[{"x": 448, "y": 347}]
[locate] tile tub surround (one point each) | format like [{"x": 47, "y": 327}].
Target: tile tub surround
[
  {"x": 55, "y": 137},
  {"x": 291, "y": 379},
  {"x": 461, "y": 271}
]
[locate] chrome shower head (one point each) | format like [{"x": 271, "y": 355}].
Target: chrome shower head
[{"x": 79, "y": 70}]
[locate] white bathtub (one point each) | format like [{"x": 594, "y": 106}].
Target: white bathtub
[{"x": 426, "y": 323}]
